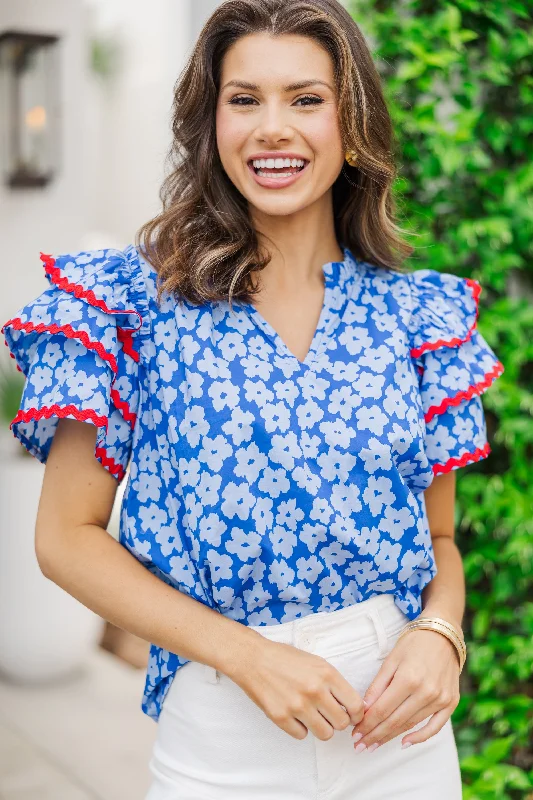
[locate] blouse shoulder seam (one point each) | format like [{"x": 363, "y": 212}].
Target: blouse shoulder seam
[{"x": 138, "y": 287}]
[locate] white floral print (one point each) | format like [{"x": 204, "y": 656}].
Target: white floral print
[{"x": 265, "y": 487}]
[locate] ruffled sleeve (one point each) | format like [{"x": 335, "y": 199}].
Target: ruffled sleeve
[
  {"x": 455, "y": 366},
  {"x": 78, "y": 346}
]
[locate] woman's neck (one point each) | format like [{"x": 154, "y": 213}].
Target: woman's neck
[{"x": 299, "y": 246}]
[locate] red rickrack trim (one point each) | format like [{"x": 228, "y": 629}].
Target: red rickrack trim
[
  {"x": 123, "y": 407},
  {"x": 79, "y": 291},
  {"x": 456, "y": 341},
  {"x": 457, "y": 399},
  {"x": 45, "y": 412},
  {"x": 70, "y": 333},
  {"x": 452, "y": 463},
  {"x": 116, "y": 469},
  {"x": 125, "y": 337}
]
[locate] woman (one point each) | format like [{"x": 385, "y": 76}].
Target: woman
[{"x": 293, "y": 407}]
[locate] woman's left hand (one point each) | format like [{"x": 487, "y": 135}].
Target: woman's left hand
[{"x": 419, "y": 677}]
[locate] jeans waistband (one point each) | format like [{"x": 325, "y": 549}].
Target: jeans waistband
[{"x": 357, "y": 625}]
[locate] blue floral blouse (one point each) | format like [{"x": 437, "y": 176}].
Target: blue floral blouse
[{"x": 265, "y": 487}]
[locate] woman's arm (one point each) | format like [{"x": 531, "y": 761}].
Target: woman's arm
[
  {"x": 445, "y": 595},
  {"x": 75, "y": 551},
  {"x": 299, "y": 691}
]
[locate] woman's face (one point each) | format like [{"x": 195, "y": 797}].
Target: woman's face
[{"x": 277, "y": 99}]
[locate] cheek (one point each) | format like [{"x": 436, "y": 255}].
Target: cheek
[
  {"x": 231, "y": 133},
  {"x": 326, "y": 136}
]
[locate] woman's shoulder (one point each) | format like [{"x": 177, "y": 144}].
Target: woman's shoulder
[
  {"x": 99, "y": 297},
  {"x": 80, "y": 344},
  {"x": 113, "y": 280},
  {"x": 438, "y": 308}
]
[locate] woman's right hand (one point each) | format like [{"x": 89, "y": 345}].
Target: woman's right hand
[{"x": 299, "y": 691}]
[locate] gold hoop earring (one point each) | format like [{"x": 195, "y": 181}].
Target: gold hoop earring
[{"x": 351, "y": 157}]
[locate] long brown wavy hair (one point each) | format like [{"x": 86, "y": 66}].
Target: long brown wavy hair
[{"x": 202, "y": 244}]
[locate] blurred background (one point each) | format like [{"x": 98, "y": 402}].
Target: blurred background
[{"x": 85, "y": 98}]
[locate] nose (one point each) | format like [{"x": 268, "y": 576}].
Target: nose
[{"x": 273, "y": 125}]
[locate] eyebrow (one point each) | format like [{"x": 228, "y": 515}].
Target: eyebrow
[{"x": 292, "y": 87}]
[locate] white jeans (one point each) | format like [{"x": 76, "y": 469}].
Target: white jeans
[{"x": 214, "y": 743}]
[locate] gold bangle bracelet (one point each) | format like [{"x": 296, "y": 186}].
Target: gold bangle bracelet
[
  {"x": 457, "y": 631},
  {"x": 450, "y": 627},
  {"x": 443, "y": 627},
  {"x": 450, "y": 634},
  {"x": 461, "y": 654}
]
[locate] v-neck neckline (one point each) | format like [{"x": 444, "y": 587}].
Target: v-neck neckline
[{"x": 334, "y": 278}]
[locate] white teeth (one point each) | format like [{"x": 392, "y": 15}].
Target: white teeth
[{"x": 277, "y": 163}]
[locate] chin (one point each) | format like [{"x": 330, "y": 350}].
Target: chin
[
  {"x": 279, "y": 206},
  {"x": 278, "y": 210}
]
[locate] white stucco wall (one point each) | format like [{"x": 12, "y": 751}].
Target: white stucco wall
[
  {"x": 54, "y": 217},
  {"x": 128, "y": 152}
]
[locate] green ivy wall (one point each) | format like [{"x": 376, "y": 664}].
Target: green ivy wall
[{"x": 459, "y": 80}]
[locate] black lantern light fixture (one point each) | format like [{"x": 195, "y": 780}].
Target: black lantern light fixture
[{"x": 29, "y": 108}]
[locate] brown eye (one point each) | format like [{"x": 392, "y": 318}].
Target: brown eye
[
  {"x": 307, "y": 100},
  {"x": 312, "y": 100},
  {"x": 241, "y": 101}
]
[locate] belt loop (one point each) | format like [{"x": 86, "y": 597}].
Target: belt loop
[
  {"x": 381, "y": 633},
  {"x": 292, "y": 633}
]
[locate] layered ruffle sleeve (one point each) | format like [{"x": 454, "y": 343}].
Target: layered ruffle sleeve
[
  {"x": 78, "y": 346},
  {"x": 455, "y": 366}
]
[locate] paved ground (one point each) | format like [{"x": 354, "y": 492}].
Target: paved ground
[{"x": 85, "y": 739}]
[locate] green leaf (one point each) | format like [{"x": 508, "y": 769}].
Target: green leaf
[{"x": 498, "y": 749}]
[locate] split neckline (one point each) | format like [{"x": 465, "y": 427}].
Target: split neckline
[{"x": 337, "y": 276}]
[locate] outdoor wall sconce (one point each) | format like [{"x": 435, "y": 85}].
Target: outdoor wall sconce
[{"x": 29, "y": 108}]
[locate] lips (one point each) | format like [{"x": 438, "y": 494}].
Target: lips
[{"x": 277, "y": 178}]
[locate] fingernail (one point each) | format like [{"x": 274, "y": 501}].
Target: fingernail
[
  {"x": 360, "y": 748},
  {"x": 357, "y": 736},
  {"x": 406, "y": 744},
  {"x": 373, "y": 747}
]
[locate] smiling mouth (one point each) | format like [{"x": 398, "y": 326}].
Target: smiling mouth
[{"x": 266, "y": 170}]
